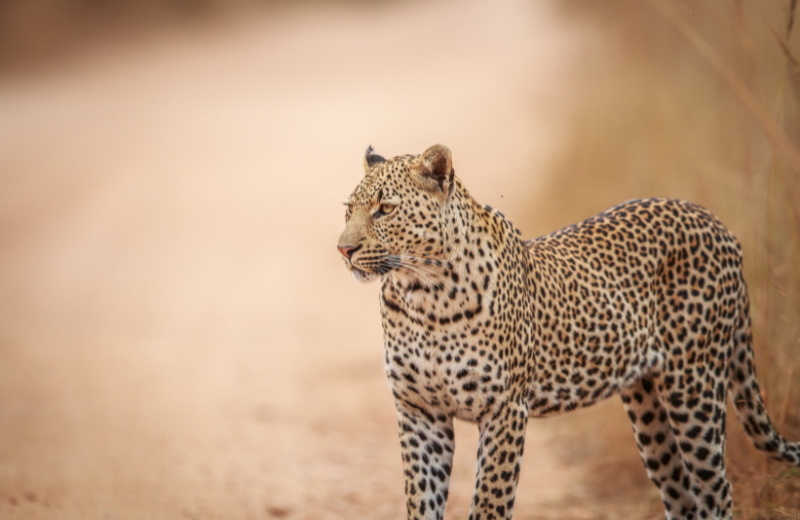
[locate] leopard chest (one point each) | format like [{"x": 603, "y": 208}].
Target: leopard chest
[{"x": 447, "y": 371}]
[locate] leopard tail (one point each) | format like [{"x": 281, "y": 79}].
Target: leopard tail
[{"x": 747, "y": 397}]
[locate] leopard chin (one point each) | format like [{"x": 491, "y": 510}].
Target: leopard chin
[{"x": 364, "y": 276}]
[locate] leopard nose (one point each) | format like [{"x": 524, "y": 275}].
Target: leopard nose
[{"x": 347, "y": 251}]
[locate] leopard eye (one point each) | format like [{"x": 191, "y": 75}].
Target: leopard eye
[
  {"x": 384, "y": 209},
  {"x": 348, "y": 212}
]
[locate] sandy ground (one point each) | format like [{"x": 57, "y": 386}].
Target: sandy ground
[{"x": 178, "y": 337}]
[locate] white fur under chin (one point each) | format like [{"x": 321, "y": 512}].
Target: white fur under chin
[{"x": 363, "y": 276}]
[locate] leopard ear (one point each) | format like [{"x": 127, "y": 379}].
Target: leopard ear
[
  {"x": 435, "y": 169},
  {"x": 371, "y": 159}
]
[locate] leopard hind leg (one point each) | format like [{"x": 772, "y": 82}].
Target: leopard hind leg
[
  {"x": 695, "y": 403},
  {"x": 658, "y": 447}
]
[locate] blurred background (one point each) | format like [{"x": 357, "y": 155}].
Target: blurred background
[{"x": 178, "y": 337}]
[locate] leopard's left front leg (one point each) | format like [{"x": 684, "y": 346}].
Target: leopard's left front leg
[{"x": 500, "y": 447}]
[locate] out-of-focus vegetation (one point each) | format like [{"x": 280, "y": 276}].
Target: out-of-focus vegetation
[
  {"x": 695, "y": 100},
  {"x": 37, "y": 31}
]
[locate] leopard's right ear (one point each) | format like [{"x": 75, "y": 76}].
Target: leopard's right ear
[{"x": 371, "y": 159}]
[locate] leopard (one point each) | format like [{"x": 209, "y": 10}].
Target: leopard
[{"x": 646, "y": 300}]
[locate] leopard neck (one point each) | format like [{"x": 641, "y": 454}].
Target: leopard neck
[{"x": 461, "y": 282}]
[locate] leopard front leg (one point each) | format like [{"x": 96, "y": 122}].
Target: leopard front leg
[
  {"x": 427, "y": 445},
  {"x": 500, "y": 448}
]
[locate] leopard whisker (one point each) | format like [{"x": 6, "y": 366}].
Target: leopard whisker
[
  {"x": 417, "y": 270},
  {"x": 424, "y": 273}
]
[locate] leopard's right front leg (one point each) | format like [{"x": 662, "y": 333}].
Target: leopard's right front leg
[{"x": 427, "y": 445}]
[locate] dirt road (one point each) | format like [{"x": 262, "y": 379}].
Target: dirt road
[{"x": 178, "y": 337}]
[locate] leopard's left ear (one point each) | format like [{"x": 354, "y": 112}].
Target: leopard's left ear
[
  {"x": 435, "y": 170},
  {"x": 371, "y": 159}
]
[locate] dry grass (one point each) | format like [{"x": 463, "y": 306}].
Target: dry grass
[{"x": 695, "y": 100}]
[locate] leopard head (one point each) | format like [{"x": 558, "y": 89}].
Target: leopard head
[{"x": 396, "y": 217}]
